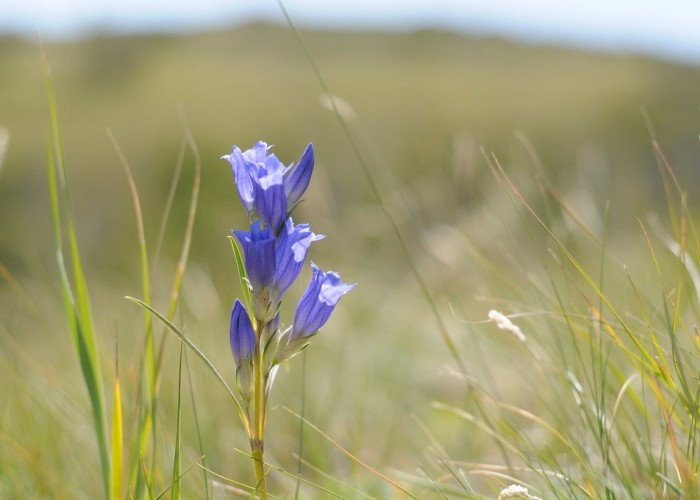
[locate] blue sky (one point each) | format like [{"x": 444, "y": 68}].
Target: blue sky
[{"x": 670, "y": 28}]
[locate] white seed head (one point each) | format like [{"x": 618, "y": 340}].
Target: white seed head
[
  {"x": 516, "y": 491},
  {"x": 504, "y": 323}
]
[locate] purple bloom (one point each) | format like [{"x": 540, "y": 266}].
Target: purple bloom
[
  {"x": 292, "y": 245},
  {"x": 274, "y": 252},
  {"x": 241, "y": 165},
  {"x": 298, "y": 180},
  {"x": 318, "y": 302},
  {"x": 261, "y": 183},
  {"x": 259, "y": 250},
  {"x": 268, "y": 185},
  {"x": 241, "y": 336}
]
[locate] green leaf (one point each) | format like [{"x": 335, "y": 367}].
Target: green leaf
[
  {"x": 76, "y": 300},
  {"x": 175, "y": 491},
  {"x": 198, "y": 352},
  {"x": 117, "y": 440},
  {"x": 242, "y": 276}
]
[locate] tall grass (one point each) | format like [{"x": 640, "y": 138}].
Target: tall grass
[
  {"x": 81, "y": 325},
  {"x": 616, "y": 351},
  {"x": 602, "y": 399},
  {"x": 76, "y": 298}
]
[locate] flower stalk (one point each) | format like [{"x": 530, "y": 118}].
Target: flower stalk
[
  {"x": 257, "y": 440},
  {"x": 274, "y": 251}
]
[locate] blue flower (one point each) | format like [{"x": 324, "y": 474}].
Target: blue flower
[
  {"x": 242, "y": 163},
  {"x": 298, "y": 180},
  {"x": 241, "y": 336},
  {"x": 270, "y": 200},
  {"x": 317, "y": 302},
  {"x": 261, "y": 184},
  {"x": 292, "y": 245},
  {"x": 259, "y": 250}
]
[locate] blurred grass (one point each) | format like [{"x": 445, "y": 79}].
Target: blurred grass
[
  {"x": 418, "y": 97},
  {"x": 424, "y": 103}
]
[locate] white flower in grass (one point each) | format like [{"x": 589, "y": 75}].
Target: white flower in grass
[
  {"x": 504, "y": 323},
  {"x": 516, "y": 491}
]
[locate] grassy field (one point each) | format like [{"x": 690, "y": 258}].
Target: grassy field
[{"x": 522, "y": 179}]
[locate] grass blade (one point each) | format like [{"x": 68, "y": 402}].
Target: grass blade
[
  {"x": 117, "y": 436},
  {"x": 393, "y": 223},
  {"x": 145, "y": 420},
  {"x": 175, "y": 492},
  {"x": 245, "y": 287},
  {"x": 76, "y": 301},
  {"x": 353, "y": 457},
  {"x": 197, "y": 427},
  {"x": 196, "y": 350},
  {"x": 182, "y": 263}
]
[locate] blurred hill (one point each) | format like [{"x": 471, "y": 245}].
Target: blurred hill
[{"x": 422, "y": 104}]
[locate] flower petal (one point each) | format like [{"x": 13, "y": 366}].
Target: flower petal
[
  {"x": 298, "y": 180},
  {"x": 292, "y": 246},
  {"x": 259, "y": 251},
  {"x": 317, "y": 302},
  {"x": 241, "y": 335},
  {"x": 242, "y": 176},
  {"x": 270, "y": 200}
]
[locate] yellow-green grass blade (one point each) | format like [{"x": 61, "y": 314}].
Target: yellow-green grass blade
[
  {"x": 181, "y": 266},
  {"x": 646, "y": 360},
  {"x": 175, "y": 490},
  {"x": 117, "y": 438},
  {"x": 353, "y": 457},
  {"x": 76, "y": 302},
  {"x": 300, "y": 452},
  {"x": 187, "y": 240},
  {"x": 245, "y": 287},
  {"x": 169, "y": 487},
  {"x": 144, "y": 427},
  {"x": 170, "y": 200},
  {"x": 147, "y": 479},
  {"x": 197, "y": 427},
  {"x": 287, "y": 473},
  {"x": 393, "y": 223},
  {"x": 145, "y": 275},
  {"x": 199, "y": 354}
]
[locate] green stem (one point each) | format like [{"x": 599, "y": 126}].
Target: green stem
[
  {"x": 257, "y": 439},
  {"x": 256, "y": 447}
]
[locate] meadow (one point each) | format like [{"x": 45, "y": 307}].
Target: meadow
[{"x": 454, "y": 176}]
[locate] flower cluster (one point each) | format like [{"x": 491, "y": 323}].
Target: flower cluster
[{"x": 274, "y": 251}]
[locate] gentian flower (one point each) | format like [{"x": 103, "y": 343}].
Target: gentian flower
[
  {"x": 268, "y": 186},
  {"x": 241, "y": 334},
  {"x": 242, "y": 165},
  {"x": 261, "y": 184},
  {"x": 259, "y": 250},
  {"x": 298, "y": 180},
  {"x": 317, "y": 302},
  {"x": 274, "y": 252},
  {"x": 292, "y": 245}
]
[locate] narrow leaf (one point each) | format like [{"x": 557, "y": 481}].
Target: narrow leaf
[
  {"x": 242, "y": 276},
  {"x": 175, "y": 492},
  {"x": 117, "y": 439},
  {"x": 76, "y": 301},
  {"x": 197, "y": 351}
]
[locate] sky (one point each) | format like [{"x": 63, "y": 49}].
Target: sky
[{"x": 669, "y": 29}]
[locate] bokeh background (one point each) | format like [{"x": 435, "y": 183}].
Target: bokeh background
[{"x": 427, "y": 95}]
